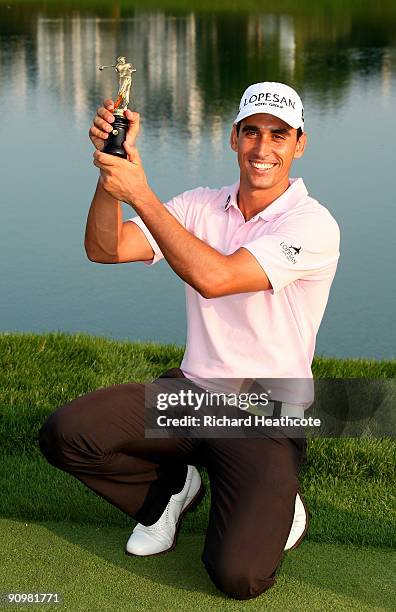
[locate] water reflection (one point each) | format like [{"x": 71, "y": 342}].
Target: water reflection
[{"x": 191, "y": 67}]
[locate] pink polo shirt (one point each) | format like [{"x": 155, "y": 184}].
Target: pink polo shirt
[{"x": 261, "y": 334}]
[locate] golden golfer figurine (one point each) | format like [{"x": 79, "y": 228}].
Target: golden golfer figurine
[{"x": 114, "y": 143}]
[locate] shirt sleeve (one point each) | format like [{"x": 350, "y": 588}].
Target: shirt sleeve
[
  {"x": 177, "y": 207},
  {"x": 303, "y": 246}
]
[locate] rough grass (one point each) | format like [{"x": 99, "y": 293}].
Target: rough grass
[
  {"x": 58, "y": 536},
  {"x": 349, "y": 484}
]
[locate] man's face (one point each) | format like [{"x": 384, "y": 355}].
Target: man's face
[{"x": 266, "y": 147}]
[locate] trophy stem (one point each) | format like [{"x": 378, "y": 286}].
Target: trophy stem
[{"x": 115, "y": 140}]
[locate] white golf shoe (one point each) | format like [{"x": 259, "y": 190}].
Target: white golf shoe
[
  {"x": 162, "y": 536},
  {"x": 299, "y": 526}
]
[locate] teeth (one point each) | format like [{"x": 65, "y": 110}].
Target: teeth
[{"x": 261, "y": 166}]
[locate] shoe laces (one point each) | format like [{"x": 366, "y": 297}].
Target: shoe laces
[{"x": 162, "y": 522}]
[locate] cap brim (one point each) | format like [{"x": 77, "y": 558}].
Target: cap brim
[{"x": 275, "y": 112}]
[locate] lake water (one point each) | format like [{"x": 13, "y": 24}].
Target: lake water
[{"x": 192, "y": 67}]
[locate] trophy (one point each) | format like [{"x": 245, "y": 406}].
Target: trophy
[{"x": 114, "y": 142}]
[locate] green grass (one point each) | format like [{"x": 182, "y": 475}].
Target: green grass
[
  {"x": 41, "y": 372},
  {"x": 349, "y": 484},
  {"x": 88, "y": 567},
  {"x": 58, "y": 535},
  {"x": 348, "y": 511}
]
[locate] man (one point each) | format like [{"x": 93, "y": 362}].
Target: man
[{"x": 258, "y": 259}]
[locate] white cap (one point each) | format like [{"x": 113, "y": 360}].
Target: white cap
[{"x": 275, "y": 99}]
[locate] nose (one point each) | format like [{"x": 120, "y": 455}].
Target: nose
[{"x": 263, "y": 144}]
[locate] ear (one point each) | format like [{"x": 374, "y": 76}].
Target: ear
[
  {"x": 300, "y": 146},
  {"x": 234, "y": 138}
]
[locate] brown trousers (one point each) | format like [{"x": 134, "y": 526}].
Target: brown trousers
[{"x": 99, "y": 439}]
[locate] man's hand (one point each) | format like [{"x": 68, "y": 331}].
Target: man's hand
[
  {"x": 123, "y": 179},
  {"x": 101, "y": 127}
]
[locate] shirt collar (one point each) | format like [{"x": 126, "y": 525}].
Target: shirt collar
[{"x": 289, "y": 198}]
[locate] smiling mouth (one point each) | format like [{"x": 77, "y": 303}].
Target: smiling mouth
[{"x": 262, "y": 166}]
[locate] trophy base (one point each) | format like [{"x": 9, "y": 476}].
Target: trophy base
[{"x": 116, "y": 138}]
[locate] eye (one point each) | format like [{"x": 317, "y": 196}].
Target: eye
[{"x": 278, "y": 137}]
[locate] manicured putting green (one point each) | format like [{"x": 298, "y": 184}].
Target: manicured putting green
[{"x": 88, "y": 567}]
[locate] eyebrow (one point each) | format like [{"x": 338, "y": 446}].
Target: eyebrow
[{"x": 247, "y": 128}]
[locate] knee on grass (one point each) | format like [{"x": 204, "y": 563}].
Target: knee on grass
[{"x": 238, "y": 582}]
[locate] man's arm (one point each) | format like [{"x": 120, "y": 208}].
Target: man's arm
[
  {"x": 207, "y": 270},
  {"x": 107, "y": 238}
]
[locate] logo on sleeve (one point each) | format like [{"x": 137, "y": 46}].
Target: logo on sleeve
[{"x": 290, "y": 251}]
